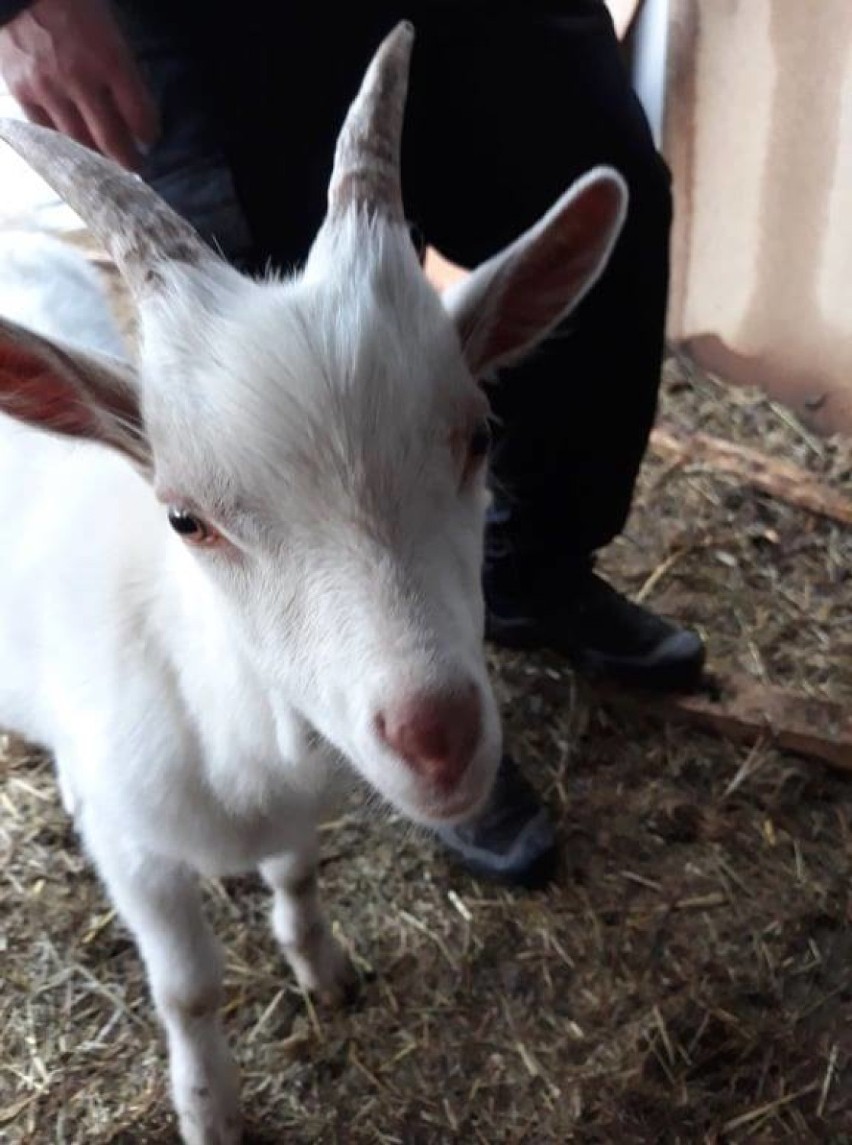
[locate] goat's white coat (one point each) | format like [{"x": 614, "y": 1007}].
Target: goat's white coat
[
  {"x": 164, "y": 679},
  {"x": 198, "y": 701}
]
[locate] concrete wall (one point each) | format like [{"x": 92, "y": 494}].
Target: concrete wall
[{"x": 758, "y": 131}]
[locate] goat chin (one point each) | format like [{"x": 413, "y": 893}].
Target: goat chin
[{"x": 449, "y": 809}]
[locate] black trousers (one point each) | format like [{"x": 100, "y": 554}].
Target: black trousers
[{"x": 508, "y": 103}]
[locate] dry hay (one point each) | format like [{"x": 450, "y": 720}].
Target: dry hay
[{"x": 687, "y": 979}]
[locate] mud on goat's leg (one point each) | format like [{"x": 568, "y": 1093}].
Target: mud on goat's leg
[{"x": 161, "y": 903}]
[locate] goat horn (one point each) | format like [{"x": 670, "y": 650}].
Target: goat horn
[
  {"x": 367, "y": 157},
  {"x": 133, "y": 224}
]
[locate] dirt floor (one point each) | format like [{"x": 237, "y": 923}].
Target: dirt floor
[{"x": 687, "y": 979}]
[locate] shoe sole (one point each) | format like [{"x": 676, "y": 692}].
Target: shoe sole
[
  {"x": 530, "y": 862},
  {"x": 676, "y": 665}
]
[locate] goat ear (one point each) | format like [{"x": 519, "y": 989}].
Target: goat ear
[
  {"x": 514, "y": 300},
  {"x": 62, "y": 390}
]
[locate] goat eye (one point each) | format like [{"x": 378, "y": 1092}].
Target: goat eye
[
  {"x": 190, "y": 527},
  {"x": 480, "y": 440}
]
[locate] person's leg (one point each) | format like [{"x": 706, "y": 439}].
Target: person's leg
[
  {"x": 251, "y": 103},
  {"x": 188, "y": 165},
  {"x": 508, "y": 106}
]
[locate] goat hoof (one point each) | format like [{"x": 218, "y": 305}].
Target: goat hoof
[
  {"x": 325, "y": 972},
  {"x": 343, "y": 991},
  {"x": 207, "y": 1131},
  {"x": 208, "y": 1107}
]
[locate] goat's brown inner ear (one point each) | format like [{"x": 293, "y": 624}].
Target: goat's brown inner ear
[{"x": 30, "y": 391}]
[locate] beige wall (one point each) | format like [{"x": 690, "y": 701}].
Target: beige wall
[{"x": 758, "y": 131}]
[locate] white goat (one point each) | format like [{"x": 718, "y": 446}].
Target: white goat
[{"x": 257, "y": 553}]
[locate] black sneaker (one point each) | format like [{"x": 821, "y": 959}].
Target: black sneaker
[
  {"x": 604, "y": 634},
  {"x": 513, "y": 839}
]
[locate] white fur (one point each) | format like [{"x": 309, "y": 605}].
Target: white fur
[
  {"x": 46, "y": 285},
  {"x": 199, "y": 700}
]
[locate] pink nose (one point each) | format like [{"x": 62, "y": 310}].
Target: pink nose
[{"x": 436, "y": 735}]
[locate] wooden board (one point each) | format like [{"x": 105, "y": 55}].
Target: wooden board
[
  {"x": 780, "y": 479},
  {"x": 743, "y": 709}
]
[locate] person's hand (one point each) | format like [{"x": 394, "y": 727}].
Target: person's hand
[{"x": 67, "y": 64}]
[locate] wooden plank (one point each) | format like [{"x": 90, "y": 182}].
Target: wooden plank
[
  {"x": 743, "y": 709},
  {"x": 780, "y": 479}
]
